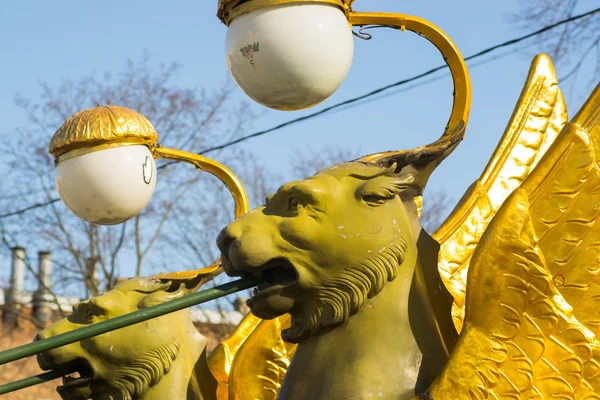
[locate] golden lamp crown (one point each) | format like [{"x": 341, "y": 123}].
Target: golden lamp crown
[
  {"x": 229, "y": 9},
  {"x": 99, "y": 128}
]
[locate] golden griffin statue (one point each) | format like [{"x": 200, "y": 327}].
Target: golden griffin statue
[{"x": 357, "y": 301}]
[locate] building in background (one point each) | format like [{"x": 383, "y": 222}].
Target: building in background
[{"x": 24, "y": 311}]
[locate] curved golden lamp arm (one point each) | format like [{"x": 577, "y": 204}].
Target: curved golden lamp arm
[
  {"x": 458, "y": 68},
  {"x": 242, "y": 206}
]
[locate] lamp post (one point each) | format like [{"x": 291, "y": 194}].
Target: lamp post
[
  {"x": 284, "y": 54},
  {"x": 106, "y": 170},
  {"x": 293, "y": 54}
]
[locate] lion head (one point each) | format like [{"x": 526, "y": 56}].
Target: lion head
[
  {"x": 126, "y": 363},
  {"x": 323, "y": 245}
]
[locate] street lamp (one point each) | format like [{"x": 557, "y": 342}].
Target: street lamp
[
  {"x": 285, "y": 54},
  {"x": 288, "y": 56},
  {"x": 293, "y": 54},
  {"x": 105, "y": 165}
]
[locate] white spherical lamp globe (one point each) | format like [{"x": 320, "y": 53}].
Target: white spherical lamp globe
[
  {"x": 109, "y": 186},
  {"x": 290, "y": 56},
  {"x": 105, "y": 170}
]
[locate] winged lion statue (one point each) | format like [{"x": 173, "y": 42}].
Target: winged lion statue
[{"x": 357, "y": 301}]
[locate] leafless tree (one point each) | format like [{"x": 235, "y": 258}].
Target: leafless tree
[
  {"x": 310, "y": 162},
  {"x": 571, "y": 45},
  {"x": 194, "y": 236},
  {"x": 436, "y": 207},
  {"x": 189, "y": 119},
  {"x": 177, "y": 230}
]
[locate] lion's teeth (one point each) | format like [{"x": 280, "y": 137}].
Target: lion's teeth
[{"x": 71, "y": 377}]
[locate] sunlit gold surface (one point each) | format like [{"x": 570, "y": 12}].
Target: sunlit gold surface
[
  {"x": 222, "y": 357},
  {"x": 191, "y": 274},
  {"x": 538, "y": 117},
  {"x": 99, "y": 128},
  {"x": 265, "y": 344},
  {"x": 419, "y": 205},
  {"x": 460, "y": 75},
  {"x": 532, "y": 312},
  {"x": 230, "y": 9},
  {"x": 252, "y": 362}
]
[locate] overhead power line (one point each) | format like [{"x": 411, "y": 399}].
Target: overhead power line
[
  {"x": 399, "y": 83},
  {"x": 392, "y": 85},
  {"x": 32, "y": 207},
  {"x": 372, "y": 93}
]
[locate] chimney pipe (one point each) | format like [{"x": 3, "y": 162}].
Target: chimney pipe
[
  {"x": 42, "y": 297},
  {"x": 14, "y": 298},
  {"x": 91, "y": 287}
]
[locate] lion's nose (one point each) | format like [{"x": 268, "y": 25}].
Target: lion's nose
[
  {"x": 40, "y": 356},
  {"x": 224, "y": 241},
  {"x": 226, "y": 238},
  {"x": 230, "y": 234}
]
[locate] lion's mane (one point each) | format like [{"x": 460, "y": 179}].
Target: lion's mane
[
  {"x": 332, "y": 303},
  {"x": 132, "y": 380}
]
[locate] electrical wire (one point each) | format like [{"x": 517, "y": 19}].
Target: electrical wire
[
  {"x": 32, "y": 207},
  {"x": 349, "y": 101},
  {"x": 391, "y": 86}
]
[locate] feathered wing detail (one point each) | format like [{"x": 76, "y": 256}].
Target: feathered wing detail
[
  {"x": 539, "y": 116},
  {"x": 251, "y": 363},
  {"x": 532, "y": 311}
]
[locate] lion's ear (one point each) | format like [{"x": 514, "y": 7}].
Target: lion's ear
[
  {"x": 269, "y": 198},
  {"x": 172, "y": 289},
  {"x": 160, "y": 297},
  {"x": 378, "y": 190}
]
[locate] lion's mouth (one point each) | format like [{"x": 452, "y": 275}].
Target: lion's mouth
[
  {"x": 276, "y": 274},
  {"x": 80, "y": 375}
]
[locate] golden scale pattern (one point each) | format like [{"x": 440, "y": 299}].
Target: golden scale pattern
[
  {"x": 255, "y": 346},
  {"x": 538, "y": 118},
  {"x": 533, "y": 306}
]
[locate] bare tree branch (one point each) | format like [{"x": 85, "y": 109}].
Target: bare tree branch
[
  {"x": 184, "y": 118},
  {"x": 570, "y": 46}
]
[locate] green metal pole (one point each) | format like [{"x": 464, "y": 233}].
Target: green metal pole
[
  {"x": 32, "y": 381},
  {"x": 125, "y": 320}
]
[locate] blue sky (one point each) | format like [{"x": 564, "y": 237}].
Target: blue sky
[{"x": 51, "y": 41}]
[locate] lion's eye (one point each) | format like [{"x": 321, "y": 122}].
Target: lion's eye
[
  {"x": 294, "y": 204},
  {"x": 374, "y": 200}
]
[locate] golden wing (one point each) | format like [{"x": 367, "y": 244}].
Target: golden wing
[
  {"x": 539, "y": 116},
  {"x": 532, "y": 311},
  {"x": 252, "y": 362}
]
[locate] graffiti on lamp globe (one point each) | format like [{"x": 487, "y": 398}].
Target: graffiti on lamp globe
[{"x": 249, "y": 50}]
